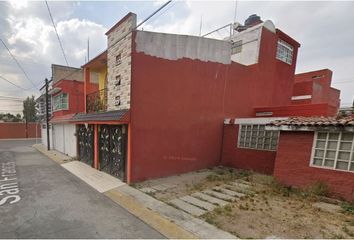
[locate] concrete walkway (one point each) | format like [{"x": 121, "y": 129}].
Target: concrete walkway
[{"x": 170, "y": 222}]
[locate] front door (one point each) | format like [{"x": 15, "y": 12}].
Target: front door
[
  {"x": 112, "y": 150},
  {"x": 85, "y": 142}
]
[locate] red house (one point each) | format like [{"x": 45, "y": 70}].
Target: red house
[
  {"x": 327, "y": 153},
  {"x": 67, "y": 95},
  {"x": 163, "y": 98}
]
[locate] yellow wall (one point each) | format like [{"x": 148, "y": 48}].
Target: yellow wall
[{"x": 101, "y": 78}]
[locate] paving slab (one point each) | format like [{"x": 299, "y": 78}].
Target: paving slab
[
  {"x": 244, "y": 182},
  {"x": 219, "y": 195},
  {"x": 241, "y": 185},
  {"x": 327, "y": 207},
  {"x": 100, "y": 181},
  {"x": 162, "y": 187},
  {"x": 229, "y": 192},
  {"x": 210, "y": 199},
  {"x": 238, "y": 189},
  {"x": 199, "y": 203},
  {"x": 187, "y": 207},
  {"x": 147, "y": 190},
  {"x": 200, "y": 228}
]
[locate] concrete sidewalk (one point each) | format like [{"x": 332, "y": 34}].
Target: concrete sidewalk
[{"x": 167, "y": 220}]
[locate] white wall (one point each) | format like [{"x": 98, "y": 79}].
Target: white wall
[{"x": 251, "y": 39}]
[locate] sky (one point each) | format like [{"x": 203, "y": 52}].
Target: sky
[{"x": 324, "y": 29}]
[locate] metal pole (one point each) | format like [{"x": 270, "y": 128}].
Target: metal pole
[{"x": 47, "y": 113}]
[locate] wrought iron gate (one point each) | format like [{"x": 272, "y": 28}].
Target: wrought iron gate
[
  {"x": 112, "y": 150},
  {"x": 85, "y": 142}
]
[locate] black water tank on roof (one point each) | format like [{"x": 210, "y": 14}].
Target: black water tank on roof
[{"x": 252, "y": 20}]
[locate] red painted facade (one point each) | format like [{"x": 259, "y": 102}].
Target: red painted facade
[
  {"x": 242, "y": 158},
  {"x": 18, "y": 130},
  {"x": 178, "y": 108},
  {"x": 292, "y": 167},
  {"x": 316, "y": 84},
  {"x": 75, "y": 91}
]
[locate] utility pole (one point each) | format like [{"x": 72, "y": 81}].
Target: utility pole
[
  {"x": 26, "y": 118},
  {"x": 47, "y": 112}
]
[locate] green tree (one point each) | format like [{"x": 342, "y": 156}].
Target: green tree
[{"x": 29, "y": 109}]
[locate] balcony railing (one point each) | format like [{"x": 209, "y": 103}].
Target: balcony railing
[{"x": 97, "y": 101}]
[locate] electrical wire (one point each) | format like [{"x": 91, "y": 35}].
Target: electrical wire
[
  {"x": 18, "y": 64},
  {"x": 56, "y": 32},
  {"x": 5, "y": 79}
]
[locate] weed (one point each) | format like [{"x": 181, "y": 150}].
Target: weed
[
  {"x": 318, "y": 189},
  {"x": 213, "y": 178},
  {"x": 210, "y": 219},
  {"x": 348, "y": 207}
]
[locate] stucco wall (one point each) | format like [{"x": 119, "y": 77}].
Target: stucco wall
[
  {"x": 242, "y": 158},
  {"x": 292, "y": 167},
  {"x": 75, "y": 91},
  {"x": 178, "y": 106},
  {"x": 173, "y": 47}
]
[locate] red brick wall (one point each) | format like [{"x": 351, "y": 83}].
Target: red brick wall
[
  {"x": 256, "y": 160},
  {"x": 292, "y": 166},
  {"x": 18, "y": 130}
]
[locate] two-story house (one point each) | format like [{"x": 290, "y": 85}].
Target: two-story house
[
  {"x": 67, "y": 97},
  {"x": 163, "y": 98}
]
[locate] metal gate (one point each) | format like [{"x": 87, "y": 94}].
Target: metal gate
[
  {"x": 112, "y": 150},
  {"x": 85, "y": 140}
]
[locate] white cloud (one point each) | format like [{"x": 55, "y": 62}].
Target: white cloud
[{"x": 31, "y": 39}]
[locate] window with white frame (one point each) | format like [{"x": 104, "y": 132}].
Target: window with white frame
[
  {"x": 334, "y": 150},
  {"x": 284, "y": 52},
  {"x": 60, "y": 102},
  {"x": 255, "y": 136}
]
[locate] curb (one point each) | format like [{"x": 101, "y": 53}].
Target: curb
[
  {"x": 154, "y": 220},
  {"x": 55, "y": 156}
]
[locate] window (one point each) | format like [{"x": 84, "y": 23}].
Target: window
[
  {"x": 333, "y": 150},
  {"x": 60, "y": 102},
  {"x": 118, "y": 59},
  {"x": 118, "y": 80},
  {"x": 256, "y": 137},
  {"x": 236, "y": 47},
  {"x": 117, "y": 101},
  {"x": 285, "y": 52}
]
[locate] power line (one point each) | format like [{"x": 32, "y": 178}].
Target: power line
[
  {"x": 18, "y": 64},
  {"x": 141, "y": 23},
  {"x": 14, "y": 84},
  {"x": 56, "y": 32}
]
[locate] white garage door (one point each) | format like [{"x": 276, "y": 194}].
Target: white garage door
[
  {"x": 65, "y": 139},
  {"x": 58, "y": 137},
  {"x": 70, "y": 139}
]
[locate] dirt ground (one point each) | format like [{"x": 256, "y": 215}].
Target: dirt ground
[{"x": 271, "y": 211}]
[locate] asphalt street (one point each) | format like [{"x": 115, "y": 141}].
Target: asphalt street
[{"x": 40, "y": 199}]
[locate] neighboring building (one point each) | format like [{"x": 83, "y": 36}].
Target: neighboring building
[
  {"x": 41, "y": 106},
  {"x": 316, "y": 149},
  {"x": 67, "y": 97},
  {"x": 162, "y": 99}
]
